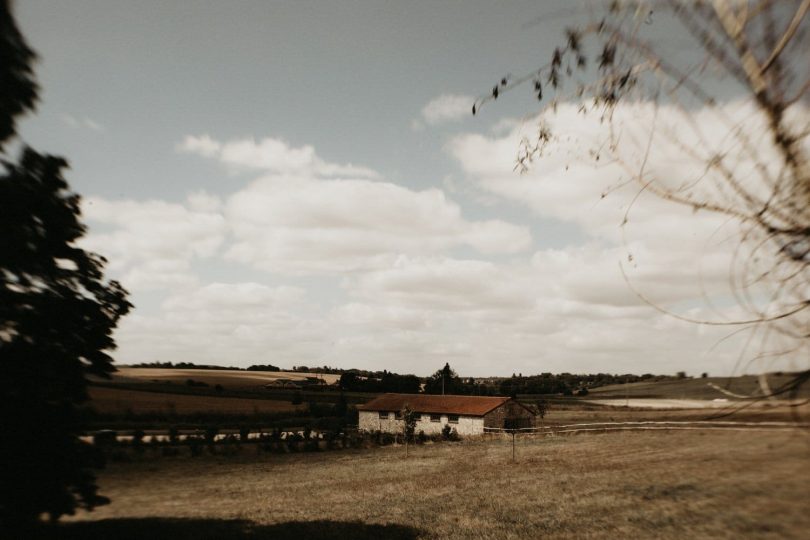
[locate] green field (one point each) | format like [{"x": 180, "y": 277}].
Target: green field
[
  {"x": 697, "y": 388},
  {"x": 696, "y": 484}
]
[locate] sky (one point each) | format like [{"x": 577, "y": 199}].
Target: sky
[{"x": 303, "y": 183}]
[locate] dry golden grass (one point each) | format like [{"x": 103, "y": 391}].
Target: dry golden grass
[
  {"x": 632, "y": 484},
  {"x": 227, "y": 378},
  {"x": 120, "y": 401},
  {"x": 580, "y": 412}
]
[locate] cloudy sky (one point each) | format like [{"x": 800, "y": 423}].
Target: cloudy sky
[{"x": 302, "y": 183}]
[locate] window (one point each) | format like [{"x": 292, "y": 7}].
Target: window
[
  {"x": 452, "y": 418},
  {"x": 383, "y": 415},
  {"x": 417, "y": 417},
  {"x": 435, "y": 418},
  {"x": 398, "y": 415}
]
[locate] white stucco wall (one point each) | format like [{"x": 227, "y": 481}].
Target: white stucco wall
[{"x": 467, "y": 425}]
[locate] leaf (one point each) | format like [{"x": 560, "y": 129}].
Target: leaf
[
  {"x": 553, "y": 78},
  {"x": 607, "y": 57},
  {"x": 573, "y": 39},
  {"x": 556, "y": 59}
]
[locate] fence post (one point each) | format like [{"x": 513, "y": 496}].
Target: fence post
[{"x": 513, "y": 446}]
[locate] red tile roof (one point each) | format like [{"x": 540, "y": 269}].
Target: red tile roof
[{"x": 426, "y": 403}]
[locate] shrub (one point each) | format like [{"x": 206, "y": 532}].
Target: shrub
[
  {"x": 421, "y": 437},
  {"x": 449, "y": 433},
  {"x": 386, "y": 438},
  {"x": 195, "y": 445},
  {"x": 137, "y": 440},
  {"x": 105, "y": 438},
  {"x": 446, "y": 431},
  {"x": 210, "y": 434}
]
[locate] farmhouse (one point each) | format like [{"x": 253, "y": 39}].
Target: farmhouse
[{"x": 468, "y": 415}]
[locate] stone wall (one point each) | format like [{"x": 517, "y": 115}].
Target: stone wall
[
  {"x": 467, "y": 425},
  {"x": 510, "y": 409}
]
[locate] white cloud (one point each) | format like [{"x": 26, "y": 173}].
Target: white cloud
[
  {"x": 151, "y": 244},
  {"x": 670, "y": 252},
  {"x": 447, "y": 108},
  {"x": 226, "y": 323},
  {"x": 407, "y": 300},
  {"x": 296, "y": 224},
  {"x": 270, "y": 154},
  {"x": 202, "y": 145},
  {"x": 446, "y": 284},
  {"x": 486, "y": 318}
]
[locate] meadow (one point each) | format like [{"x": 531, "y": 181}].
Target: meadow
[
  {"x": 678, "y": 484},
  {"x": 120, "y": 401}
]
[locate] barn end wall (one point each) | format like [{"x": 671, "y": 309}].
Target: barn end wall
[
  {"x": 467, "y": 425},
  {"x": 510, "y": 409}
]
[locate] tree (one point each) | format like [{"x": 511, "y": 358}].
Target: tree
[
  {"x": 445, "y": 381},
  {"x": 57, "y": 314},
  {"x": 752, "y": 170},
  {"x": 409, "y": 418}
]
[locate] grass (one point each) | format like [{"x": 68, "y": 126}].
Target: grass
[
  {"x": 697, "y": 388},
  {"x": 228, "y": 378},
  {"x": 107, "y": 400},
  {"x": 630, "y": 484}
]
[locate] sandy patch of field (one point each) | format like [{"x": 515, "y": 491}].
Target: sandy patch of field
[
  {"x": 659, "y": 403},
  {"x": 617, "y": 485},
  {"x": 656, "y": 403},
  {"x": 119, "y": 401}
]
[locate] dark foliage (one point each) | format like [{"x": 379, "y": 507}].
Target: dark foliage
[
  {"x": 19, "y": 89},
  {"x": 447, "y": 379},
  {"x": 567, "y": 383},
  {"x": 191, "y": 365},
  {"x": 57, "y": 314},
  {"x": 352, "y": 381}
]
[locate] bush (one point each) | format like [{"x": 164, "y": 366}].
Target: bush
[
  {"x": 105, "y": 438},
  {"x": 210, "y": 434},
  {"x": 421, "y": 437},
  {"x": 137, "y": 440},
  {"x": 386, "y": 438},
  {"x": 195, "y": 445},
  {"x": 449, "y": 433}
]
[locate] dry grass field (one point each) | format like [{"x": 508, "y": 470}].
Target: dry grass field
[
  {"x": 121, "y": 401},
  {"x": 697, "y": 389},
  {"x": 619, "y": 485},
  {"x": 228, "y": 378},
  {"x": 764, "y": 411}
]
